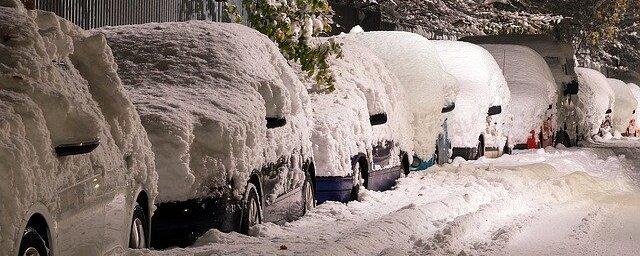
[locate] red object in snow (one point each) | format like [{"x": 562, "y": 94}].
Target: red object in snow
[{"x": 531, "y": 141}]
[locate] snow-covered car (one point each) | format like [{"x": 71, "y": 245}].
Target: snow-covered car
[
  {"x": 634, "y": 129},
  {"x": 594, "y": 105},
  {"x": 430, "y": 91},
  {"x": 229, "y": 123},
  {"x": 78, "y": 173},
  {"x": 624, "y": 107},
  {"x": 533, "y": 95},
  {"x": 476, "y": 125},
  {"x": 361, "y": 135},
  {"x": 560, "y": 59}
]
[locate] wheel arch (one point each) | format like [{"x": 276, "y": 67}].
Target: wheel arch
[{"x": 38, "y": 215}]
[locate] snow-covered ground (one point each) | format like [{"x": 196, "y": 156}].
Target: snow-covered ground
[{"x": 553, "y": 201}]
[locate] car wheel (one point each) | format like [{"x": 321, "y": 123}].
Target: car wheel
[
  {"x": 139, "y": 226},
  {"x": 252, "y": 213},
  {"x": 480, "y": 150},
  {"x": 308, "y": 196},
  {"x": 358, "y": 176},
  {"x": 32, "y": 244}
]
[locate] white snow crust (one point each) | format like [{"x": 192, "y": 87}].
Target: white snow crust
[
  {"x": 203, "y": 90},
  {"x": 415, "y": 61},
  {"x": 624, "y": 105},
  {"x": 482, "y": 85},
  {"x": 58, "y": 85},
  {"x": 595, "y": 98},
  {"x": 363, "y": 87},
  {"x": 532, "y": 88}
]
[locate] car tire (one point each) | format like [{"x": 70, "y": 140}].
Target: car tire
[
  {"x": 356, "y": 189},
  {"x": 480, "y": 150},
  {"x": 251, "y": 210},
  {"x": 32, "y": 243},
  {"x": 308, "y": 196},
  {"x": 139, "y": 227}
]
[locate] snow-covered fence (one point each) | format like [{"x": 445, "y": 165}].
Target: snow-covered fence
[{"x": 99, "y": 13}]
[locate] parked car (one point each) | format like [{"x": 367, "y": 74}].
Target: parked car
[
  {"x": 476, "y": 126},
  {"x": 533, "y": 95},
  {"x": 78, "y": 174},
  {"x": 595, "y": 103},
  {"x": 560, "y": 58},
  {"x": 229, "y": 123},
  {"x": 361, "y": 135},
  {"x": 625, "y": 105},
  {"x": 430, "y": 91},
  {"x": 634, "y": 129}
]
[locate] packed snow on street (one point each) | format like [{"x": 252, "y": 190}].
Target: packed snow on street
[{"x": 564, "y": 201}]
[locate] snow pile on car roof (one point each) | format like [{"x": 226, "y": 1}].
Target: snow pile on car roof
[
  {"x": 50, "y": 96},
  {"x": 596, "y": 97},
  {"x": 415, "y": 62},
  {"x": 532, "y": 87},
  {"x": 624, "y": 105},
  {"x": 481, "y": 84},
  {"x": 342, "y": 127},
  {"x": 204, "y": 91}
]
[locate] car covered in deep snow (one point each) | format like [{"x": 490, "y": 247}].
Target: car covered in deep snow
[
  {"x": 561, "y": 60},
  {"x": 228, "y": 121},
  {"x": 634, "y": 129},
  {"x": 361, "y": 135},
  {"x": 533, "y": 95},
  {"x": 429, "y": 89},
  {"x": 624, "y": 107},
  {"x": 594, "y": 105},
  {"x": 78, "y": 173},
  {"x": 476, "y": 126}
]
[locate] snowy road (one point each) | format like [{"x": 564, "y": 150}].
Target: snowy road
[{"x": 569, "y": 202}]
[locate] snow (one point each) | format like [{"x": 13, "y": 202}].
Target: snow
[
  {"x": 342, "y": 128},
  {"x": 203, "y": 90},
  {"x": 636, "y": 94},
  {"x": 624, "y": 105},
  {"x": 58, "y": 85},
  {"x": 482, "y": 85},
  {"x": 538, "y": 202},
  {"x": 596, "y": 97},
  {"x": 532, "y": 87},
  {"x": 415, "y": 61}
]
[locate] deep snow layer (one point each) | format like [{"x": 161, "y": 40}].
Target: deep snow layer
[
  {"x": 58, "y": 85},
  {"x": 428, "y": 88},
  {"x": 532, "y": 87},
  {"x": 573, "y": 201},
  {"x": 635, "y": 90},
  {"x": 203, "y": 91},
  {"x": 596, "y": 97},
  {"x": 625, "y": 104},
  {"x": 482, "y": 85}
]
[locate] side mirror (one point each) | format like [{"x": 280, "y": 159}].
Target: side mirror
[
  {"x": 378, "y": 119},
  {"x": 572, "y": 88},
  {"x": 275, "y": 122},
  {"x": 494, "y": 110},
  {"x": 77, "y": 148},
  {"x": 550, "y": 106},
  {"x": 608, "y": 111},
  {"x": 448, "y": 108}
]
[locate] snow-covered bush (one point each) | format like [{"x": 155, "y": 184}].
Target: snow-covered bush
[
  {"x": 624, "y": 105},
  {"x": 596, "y": 97},
  {"x": 482, "y": 86},
  {"x": 342, "y": 129},
  {"x": 203, "y": 90},
  {"x": 532, "y": 87},
  {"x": 58, "y": 85},
  {"x": 426, "y": 86}
]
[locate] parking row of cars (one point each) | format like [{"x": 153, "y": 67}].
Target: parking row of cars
[{"x": 150, "y": 135}]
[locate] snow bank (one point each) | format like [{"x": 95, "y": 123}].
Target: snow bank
[
  {"x": 49, "y": 95},
  {"x": 482, "y": 85},
  {"x": 203, "y": 91},
  {"x": 596, "y": 97},
  {"x": 624, "y": 105},
  {"x": 414, "y": 60},
  {"x": 532, "y": 87},
  {"x": 342, "y": 128}
]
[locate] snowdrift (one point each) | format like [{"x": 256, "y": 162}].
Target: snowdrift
[
  {"x": 342, "y": 128},
  {"x": 596, "y": 97},
  {"x": 415, "y": 62},
  {"x": 58, "y": 85},
  {"x": 532, "y": 87},
  {"x": 636, "y": 94},
  {"x": 203, "y": 91},
  {"x": 482, "y": 85},
  {"x": 624, "y": 105}
]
